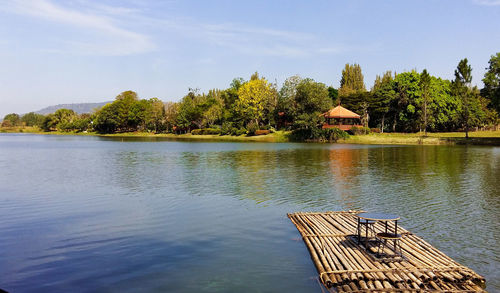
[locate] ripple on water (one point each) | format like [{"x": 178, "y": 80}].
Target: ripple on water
[{"x": 93, "y": 214}]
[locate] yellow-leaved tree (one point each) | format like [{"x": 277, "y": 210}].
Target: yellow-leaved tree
[{"x": 253, "y": 97}]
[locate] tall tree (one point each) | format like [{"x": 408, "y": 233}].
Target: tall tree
[
  {"x": 213, "y": 108},
  {"x": 32, "y": 119},
  {"x": 253, "y": 96},
  {"x": 491, "y": 81},
  {"x": 287, "y": 107},
  {"x": 462, "y": 88},
  {"x": 352, "y": 80},
  {"x": 333, "y": 93},
  {"x": 382, "y": 96},
  {"x": 171, "y": 111},
  {"x": 311, "y": 100},
  {"x": 404, "y": 108},
  {"x": 425, "y": 83}
]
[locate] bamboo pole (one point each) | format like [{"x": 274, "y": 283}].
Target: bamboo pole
[{"x": 341, "y": 262}]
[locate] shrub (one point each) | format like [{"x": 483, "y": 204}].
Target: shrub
[
  {"x": 227, "y": 128},
  {"x": 375, "y": 130},
  {"x": 212, "y": 131},
  {"x": 252, "y": 127},
  {"x": 333, "y": 134},
  {"x": 262, "y": 132},
  {"x": 306, "y": 134},
  {"x": 317, "y": 134},
  {"x": 206, "y": 131},
  {"x": 240, "y": 131},
  {"x": 359, "y": 130}
]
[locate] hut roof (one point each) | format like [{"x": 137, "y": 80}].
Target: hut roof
[{"x": 340, "y": 112}]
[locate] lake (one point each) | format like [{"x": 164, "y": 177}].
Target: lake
[{"x": 100, "y": 214}]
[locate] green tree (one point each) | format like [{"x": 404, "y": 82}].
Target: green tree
[
  {"x": 157, "y": 121},
  {"x": 311, "y": 101},
  {"x": 214, "y": 108},
  {"x": 61, "y": 120},
  {"x": 11, "y": 119},
  {"x": 404, "y": 108},
  {"x": 32, "y": 119},
  {"x": 230, "y": 96},
  {"x": 359, "y": 102},
  {"x": 287, "y": 107},
  {"x": 425, "y": 83},
  {"x": 64, "y": 119},
  {"x": 462, "y": 89},
  {"x": 191, "y": 110},
  {"x": 352, "y": 91},
  {"x": 333, "y": 93},
  {"x": 116, "y": 116},
  {"x": 491, "y": 81},
  {"x": 139, "y": 114},
  {"x": 383, "y": 94},
  {"x": 107, "y": 119},
  {"x": 49, "y": 123},
  {"x": 442, "y": 107},
  {"x": 81, "y": 123},
  {"x": 352, "y": 80}
]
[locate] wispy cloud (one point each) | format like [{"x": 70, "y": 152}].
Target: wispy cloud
[
  {"x": 108, "y": 37},
  {"x": 488, "y": 2},
  {"x": 248, "y": 40},
  {"x": 100, "y": 29}
]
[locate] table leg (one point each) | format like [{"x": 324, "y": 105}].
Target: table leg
[
  {"x": 366, "y": 236},
  {"x": 359, "y": 231}
]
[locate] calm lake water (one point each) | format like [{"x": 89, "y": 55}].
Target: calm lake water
[{"x": 90, "y": 214}]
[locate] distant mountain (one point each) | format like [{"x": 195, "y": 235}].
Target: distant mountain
[{"x": 78, "y": 108}]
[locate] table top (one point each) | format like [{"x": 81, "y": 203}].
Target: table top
[{"x": 378, "y": 216}]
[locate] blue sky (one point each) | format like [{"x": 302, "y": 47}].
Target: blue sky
[{"x": 72, "y": 51}]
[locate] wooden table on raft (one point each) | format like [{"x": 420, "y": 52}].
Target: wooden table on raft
[{"x": 376, "y": 217}]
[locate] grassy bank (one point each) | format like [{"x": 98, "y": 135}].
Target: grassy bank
[
  {"x": 476, "y": 138},
  {"x": 278, "y": 136}
]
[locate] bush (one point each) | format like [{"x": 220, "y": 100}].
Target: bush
[
  {"x": 227, "y": 128},
  {"x": 305, "y": 134},
  {"x": 206, "y": 131},
  {"x": 239, "y": 132},
  {"x": 318, "y": 134},
  {"x": 252, "y": 127},
  {"x": 333, "y": 134},
  {"x": 359, "y": 130},
  {"x": 375, "y": 130},
  {"x": 262, "y": 132}
]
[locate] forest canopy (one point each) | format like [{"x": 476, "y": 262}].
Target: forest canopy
[{"x": 404, "y": 102}]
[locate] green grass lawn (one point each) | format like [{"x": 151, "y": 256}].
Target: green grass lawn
[
  {"x": 278, "y": 136},
  {"x": 478, "y": 137}
]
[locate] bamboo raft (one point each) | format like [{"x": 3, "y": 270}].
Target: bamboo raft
[{"x": 345, "y": 266}]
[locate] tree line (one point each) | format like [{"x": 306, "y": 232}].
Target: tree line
[{"x": 398, "y": 102}]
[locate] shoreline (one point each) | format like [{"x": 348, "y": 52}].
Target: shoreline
[{"x": 491, "y": 138}]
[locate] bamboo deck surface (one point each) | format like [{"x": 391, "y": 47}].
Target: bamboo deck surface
[{"x": 345, "y": 266}]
